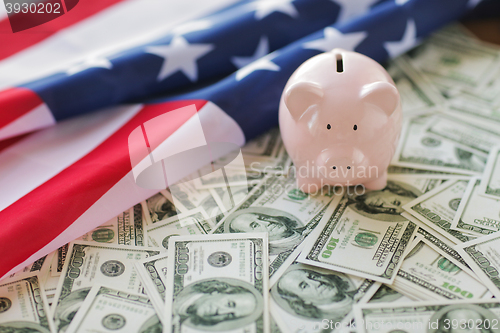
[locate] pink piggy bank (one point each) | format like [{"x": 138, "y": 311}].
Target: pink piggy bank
[{"x": 340, "y": 119}]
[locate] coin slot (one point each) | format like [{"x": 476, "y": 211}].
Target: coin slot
[{"x": 340, "y": 63}]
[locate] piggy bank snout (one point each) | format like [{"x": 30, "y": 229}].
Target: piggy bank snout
[{"x": 342, "y": 159}]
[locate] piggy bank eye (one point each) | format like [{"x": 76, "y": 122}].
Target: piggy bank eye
[
  {"x": 328, "y": 126},
  {"x": 355, "y": 127}
]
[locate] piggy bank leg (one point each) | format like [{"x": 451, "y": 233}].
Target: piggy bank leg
[
  {"x": 377, "y": 184},
  {"x": 309, "y": 185}
]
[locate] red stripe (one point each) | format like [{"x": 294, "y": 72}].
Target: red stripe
[
  {"x": 11, "y": 43},
  {"x": 16, "y": 102},
  {"x": 36, "y": 219}
]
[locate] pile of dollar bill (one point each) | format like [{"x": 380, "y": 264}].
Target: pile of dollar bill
[{"x": 421, "y": 255}]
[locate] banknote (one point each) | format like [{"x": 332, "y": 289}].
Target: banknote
[
  {"x": 58, "y": 260},
  {"x": 158, "y": 207},
  {"x": 88, "y": 263},
  {"x": 50, "y": 286},
  {"x": 229, "y": 197},
  {"x": 386, "y": 294},
  {"x": 192, "y": 223},
  {"x": 437, "y": 208},
  {"x": 432, "y": 276},
  {"x": 367, "y": 227},
  {"x": 305, "y": 298},
  {"x": 483, "y": 256},
  {"x": 477, "y": 215},
  {"x": 455, "y": 63},
  {"x": 217, "y": 283},
  {"x": 415, "y": 89},
  {"x": 108, "y": 309},
  {"x": 264, "y": 146},
  {"x": 490, "y": 182},
  {"x": 398, "y": 170},
  {"x": 125, "y": 229},
  {"x": 474, "y": 137},
  {"x": 40, "y": 266},
  {"x": 429, "y": 317},
  {"x": 278, "y": 207},
  {"x": 153, "y": 274},
  {"x": 420, "y": 149},
  {"x": 447, "y": 251},
  {"x": 223, "y": 177},
  {"x": 186, "y": 196},
  {"x": 23, "y": 305},
  {"x": 473, "y": 108}
]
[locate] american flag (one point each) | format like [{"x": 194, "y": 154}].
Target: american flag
[{"x": 231, "y": 64}]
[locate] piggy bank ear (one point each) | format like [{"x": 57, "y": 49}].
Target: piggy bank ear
[
  {"x": 381, "y": 94},
  {"x": 300, "y": 96}
]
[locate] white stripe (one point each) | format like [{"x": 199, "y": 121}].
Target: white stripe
[
  {"x": 37, "y": 118},
  {"x": 42, "y": 155},
  {"x": 126, "y": 193},
  {"x": 3, "y": 11},
  {"x": 115, "y": 29}
]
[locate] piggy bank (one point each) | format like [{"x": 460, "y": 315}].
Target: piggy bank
[{"x": 340, "y": 119}]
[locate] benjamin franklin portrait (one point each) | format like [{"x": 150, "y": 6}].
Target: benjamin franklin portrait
[
  {"x": 463, "y": 313},
  {"x": 218, "y": 305},
  {"x": 314, "y": 293},
  {"x": 284, "y": 230},
  {"x": 160, "y": 208},
  {"x": 386, "y": 204}
]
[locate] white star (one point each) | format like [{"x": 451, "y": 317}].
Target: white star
[
  {"x": 407, "y": 42},
  {"x": 473, "y": 3},
  {"x": 180, "y": 55},
  {"x": 264, "y": 63},
  {"x": 262, "y": 50},
  {"x": 351, "y": 8},
  {"x": 334, "y": 38},
  {"x": 192, "y": 26},
  {"x": 266, "y": 7},
  {"x": 91, "y": 62}
]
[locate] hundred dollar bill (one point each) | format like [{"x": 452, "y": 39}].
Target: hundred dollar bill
[
  {"x": 386, "y": 294},
  {"x": 278, "y": 207},
  {"x": 414, "y": 88},
  {"x": 397, "y": 170},
  {"x": 193, "y": 223},
  {"x": 217, "y": 283},
  {"x": 420, "y": 149},
  {"x": 429, "y": 317},
  {"x": 229, "y": 197},
  {"x": 466, "y": 134},
  {"x": 367, "y": 227},
  {"x": 186, "y": 196},
  {"x": 442, "y": 248},
  {"x": 455, "y": 63},
  {"x": 312, "y": 299},
  {"x": 226, "y": 177},
  {"x": 50, "y": 286},
  {"x": 264, "y": 146},
  {"x": 432, "y": 276},
  {"x": 40, "y": 266},
  {"x": 477, "y": 215},
  {"x": 437, "y": 208},
  {"x": 109, "y": 309},
  {"x": 483, "y": 256},
  {"x": 89, "y": 263},
  {"x": 58, "y": 260},
  {"x": 471, "y": 107},
  {"x": 124, "y": 229},
  {"x": 490, "y": 182},
  {"x": 23, "y": 305},
  {"x": 158, "y": 207},
  {"x": 153, "y": 274}
]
